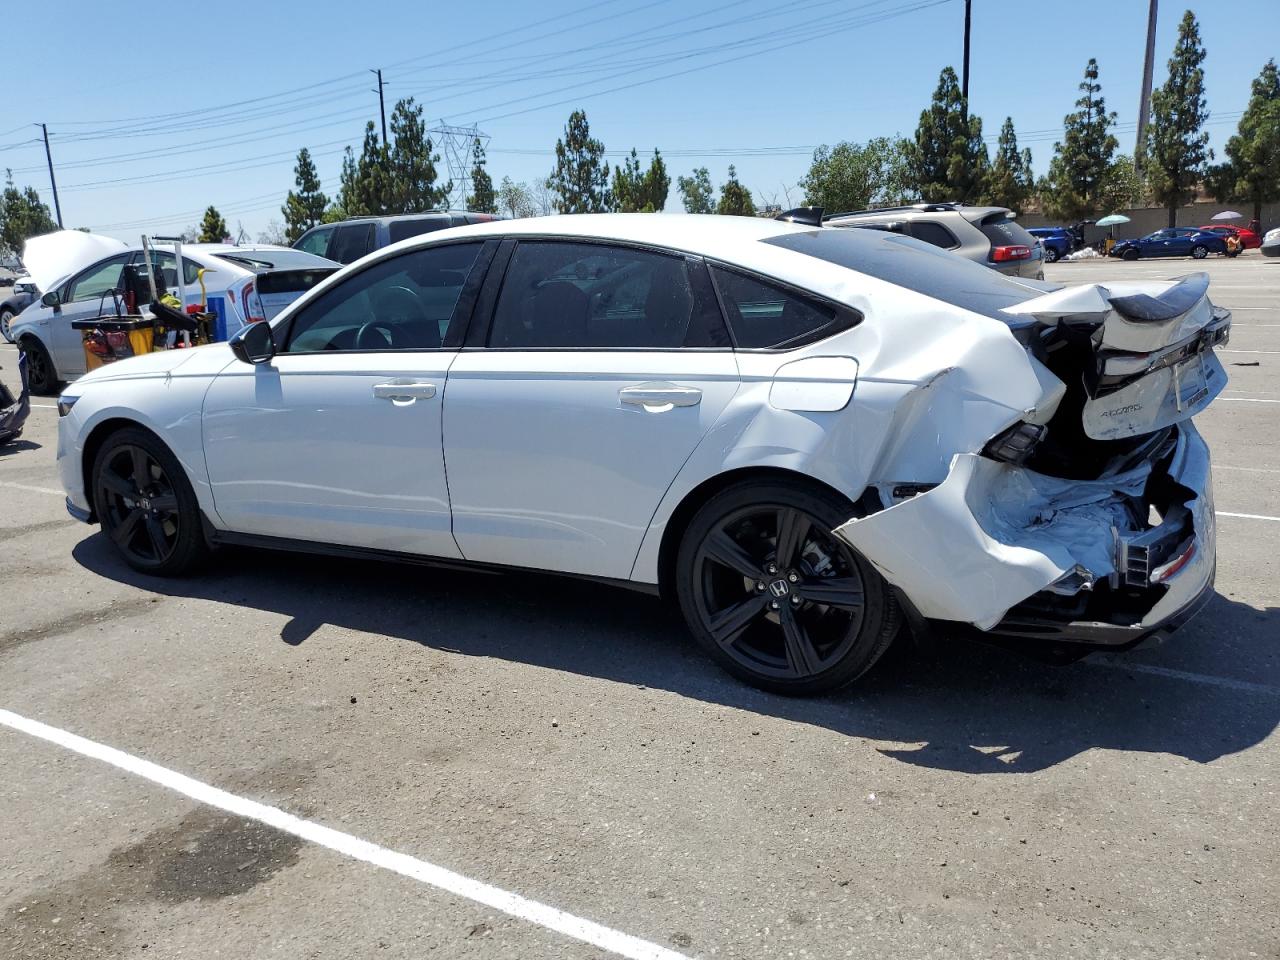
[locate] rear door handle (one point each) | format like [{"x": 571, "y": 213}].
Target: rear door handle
[
  {"x": 660, "y": 394},
  {"x": 404, "y": 390}
]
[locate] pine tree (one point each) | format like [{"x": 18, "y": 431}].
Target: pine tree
[
  {"x": 1177, "y": 146},
  {"x": 411, "y": 168},
  {"x": 735, "y": 199},
  {"x": 1073, "y": 187},
  {"x": 305, "y": 208},
  {"x": 696, "y": 192},
  {"x": 948, "y": 160},
  {"x": 657, "y": 184},
  {"x": 213, "y": 229},
  {"x": 628, "y": 185},
  {"x": 482, "y": 199},
  {"x": 371, "y": 193},
  {"x": 1252, "y": 170},
  {"x": 581, "y": 177},
  {"x": 22, "y": 216},
  {"x": 1011, "y": 182}
]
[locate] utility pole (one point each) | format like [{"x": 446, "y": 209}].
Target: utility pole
[
  {"x": 1144, "y": 105},
  {"x": 57, "y": 207},
  {"x": 382, "y": 108},
  {"x": 964, "y": 80}
]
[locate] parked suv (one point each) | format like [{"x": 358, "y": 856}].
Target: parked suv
[
  {"x": 1057, "y": 241},
  {"x": 348, "y": 240},
  {"x": 987, "y": 235}
]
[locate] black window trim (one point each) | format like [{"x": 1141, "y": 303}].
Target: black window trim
[
  {"x": 478, "y": 334},
  {"x": 458, "y": 322},
  {"x": 846, "y": 317},
  {"x": 955, "y": 241}
]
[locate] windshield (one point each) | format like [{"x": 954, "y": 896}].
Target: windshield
[{"x": 915, "y": 265}]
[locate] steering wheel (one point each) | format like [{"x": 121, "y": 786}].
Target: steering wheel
[{"x": 375, "y": 336}]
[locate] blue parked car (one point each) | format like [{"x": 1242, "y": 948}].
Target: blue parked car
[
  {"x": 1171, "y": 242},
  {"x": 1057, "y": 241}
]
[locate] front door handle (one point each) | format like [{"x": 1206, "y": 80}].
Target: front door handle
[
  {"x": 660, "y": 395},
  {"x": 404, "y": 390}
]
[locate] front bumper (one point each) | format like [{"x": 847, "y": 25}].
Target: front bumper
[{"x": 1007, "y": 550}]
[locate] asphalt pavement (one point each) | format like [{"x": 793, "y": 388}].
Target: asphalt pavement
[{"x": 326, "y": 758}]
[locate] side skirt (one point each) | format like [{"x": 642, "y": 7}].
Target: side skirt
[{"x": 217, "y": 538}]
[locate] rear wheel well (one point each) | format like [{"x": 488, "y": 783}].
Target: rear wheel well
[
  {"x": 93, "y": 443},
  {"x": 703, "y": 492}
]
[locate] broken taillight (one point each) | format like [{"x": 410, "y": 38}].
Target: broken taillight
[
  {"x": 1015, "y": 444},
  {"x": 1166, "y": 572}
]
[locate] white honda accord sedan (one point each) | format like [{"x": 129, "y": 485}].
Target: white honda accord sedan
[{"x": 805, "y": 436}]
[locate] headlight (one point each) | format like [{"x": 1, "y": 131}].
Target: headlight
[
  {"x": 1272, "y": 236},
  {"x": 65, "y": 403}
]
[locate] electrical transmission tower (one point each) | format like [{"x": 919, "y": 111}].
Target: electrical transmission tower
[{"x": 454, "y": 143}]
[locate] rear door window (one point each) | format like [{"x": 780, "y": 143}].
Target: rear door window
[
  {"x": 351, "y": 242},
  {"x": 762, "y": 315},
  {"x": 589, "y": 295}
]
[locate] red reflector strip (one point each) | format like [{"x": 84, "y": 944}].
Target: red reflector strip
[
  {"x": 1161, "y": 574},
  {"x": 1016, "y": 251}
]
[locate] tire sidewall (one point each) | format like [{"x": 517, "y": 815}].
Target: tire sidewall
[
  {"x": 191, "y": 548},
  {"x": 6, "y": 319},
  {"x": 38, "y": 358},
  {"x": 880, "y": 615}
]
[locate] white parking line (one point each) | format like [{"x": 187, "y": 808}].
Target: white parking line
[
  {"x": 30, "y": 489},
  {"x": 1225, "y": 682},
  {"x": 614, "y": 941},
  {"x": 1245, "y": 516},
  {"x": 1246, "y": 400},
  {"x": 1271, "y": 353}
]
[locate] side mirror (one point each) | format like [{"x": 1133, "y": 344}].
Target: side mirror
[
  {"x": 254, "y": 343},
  {"x": 50, "y": 299}
]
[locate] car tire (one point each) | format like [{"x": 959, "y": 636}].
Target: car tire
[
  {"x": 42, "y": 377},
  {"x": 1130, "y": 254},
  {"x": 6, "y": 318},
  {"x": 1199, "y": 252},
  {"x": 1051, "y": 254},
  {"x": 146, "y": 505},
  {"x": 748, "y": 619}
]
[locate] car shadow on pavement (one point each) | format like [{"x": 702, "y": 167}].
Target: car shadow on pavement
[
  {"x": 17, "y": 446},
  {"x": 957, "y": 705}
]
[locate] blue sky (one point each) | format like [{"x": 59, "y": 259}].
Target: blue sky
[{"x": 756, "y": 83}]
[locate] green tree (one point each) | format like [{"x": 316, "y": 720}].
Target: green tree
[
  {"x": 735, "y": 199},
  {"x": 1011, "y": 182},
  {"x": 411, "y": 170},
  {"x": 1251, "y": 172},
  {"x": 366, "y": 180},
  {"x": 22, "y": 216},
  {"x": 657, "y": 184},
  {"x": 1122, "y": 186},
  {"x": 947, "y": 159},
  {"x": 1081, "y": 160},
  {"x": 853, "y": 176},
  {"x": 304, "y": 208},
  {"x": 1177, "y": 146},
  {"x": 696, "y": 192},
  {"x": 482, "y": 199},
  {"x": 627, "y": 191},
  {"x": 581, "y": 177},
  {"x": 514, "y": 199},
  {"x": 213, "y": 229}
]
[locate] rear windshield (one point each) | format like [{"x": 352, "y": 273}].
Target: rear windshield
[
  {"x": 403, "y": 229},
  {"x": 915, "y": 265},
  {"x": 258, "y": 260},
  {"x": 1004, "y": 231}
]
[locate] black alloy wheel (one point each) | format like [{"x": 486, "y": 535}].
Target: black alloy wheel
[
  {"x": 1130, "y": 254},
  {"x": 41, "y": 376},
  {"x": 777, "y": 598},
  {"x": 146, "y": 505}
]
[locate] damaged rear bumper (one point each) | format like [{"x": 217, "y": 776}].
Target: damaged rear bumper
[{"x": 1014, "y": 552}]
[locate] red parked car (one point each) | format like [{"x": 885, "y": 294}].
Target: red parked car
[{"x": 1246, "y": 236}]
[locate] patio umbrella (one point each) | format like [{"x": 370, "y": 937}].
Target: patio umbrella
[
  {"x": 1227, "y": 215},
  {"x": 1112, "y": 220}
]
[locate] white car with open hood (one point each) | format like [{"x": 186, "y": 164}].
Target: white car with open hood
[{"x": 805, "y": 435}]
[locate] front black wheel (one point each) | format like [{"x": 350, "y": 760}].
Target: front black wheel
[
  {"x": 146, "y": 505},
  {"x": 1130, "y": 254},
  {"x": 42, "y": 378},
  {"x": 775, "y": 597}
]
